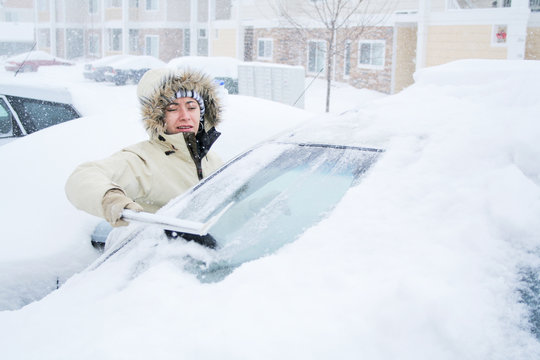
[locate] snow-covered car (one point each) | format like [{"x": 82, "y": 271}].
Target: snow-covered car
[
  {"x": 26, "y": 107},
  {"x": 31, "y": 61},
  {"x": 220, "y": 67},
  {"x": 433, "y": 255},
  {"x": 131, "y": 69},
  {"x": 258, "y": 202},
  {"x": 96, "y": 69}
]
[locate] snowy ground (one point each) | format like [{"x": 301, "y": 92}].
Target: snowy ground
[{"x": 424, "y": 260}]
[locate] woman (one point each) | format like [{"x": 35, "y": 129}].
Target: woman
[{"x": 179, "y": 111}]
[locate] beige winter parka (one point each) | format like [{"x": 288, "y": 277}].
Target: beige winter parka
[{"x": 153, "y": 172}]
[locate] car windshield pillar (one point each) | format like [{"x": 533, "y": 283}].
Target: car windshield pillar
[{"x": 6, "y": 120}]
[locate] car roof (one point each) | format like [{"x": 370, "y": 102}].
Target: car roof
[
  {"x": 25, "y": 89},
  {"x": 34, "y": 55},
  {"x": 139, "y": 62},
  {"x": 345, "y": 130},
  {"x": 216, "y": 66},
  {"x": 107, "y": 60}
]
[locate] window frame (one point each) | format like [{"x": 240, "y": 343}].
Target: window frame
[
  {"x": 111, "y": 41},
  {"x": 43, "y": 5},
  {"x": 265, "y": 42},
  {"x": 133, "y": 41},
  {"x": 371, "y": 65},
  {"x": 93, "y": 7},
  {"x": 317, "y": 41},
  {"x": 93, "y": 38},
  {"x": 146, "y": 43},
  {"x": 148, "y": 5},
  {"x": 186, "y": 42},
  {"x": 111, "y": 4},
  {"x": 347, "y": 52}
]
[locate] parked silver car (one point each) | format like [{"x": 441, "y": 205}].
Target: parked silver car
[
  {"x": 257, "y": 203},
  {"x": 26, "y": 108}
]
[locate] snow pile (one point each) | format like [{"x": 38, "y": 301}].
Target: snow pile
[{"x": 423, "y": 260}]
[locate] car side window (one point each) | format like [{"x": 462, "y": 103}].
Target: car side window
[
  {"x": 6, "y": 120},
  {"x": 38, "y": 114}
]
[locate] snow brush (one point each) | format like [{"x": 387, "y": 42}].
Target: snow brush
[{"x": 172, "y": 223}]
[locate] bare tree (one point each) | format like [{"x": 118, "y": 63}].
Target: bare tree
[{"x": 348, "y": 18}]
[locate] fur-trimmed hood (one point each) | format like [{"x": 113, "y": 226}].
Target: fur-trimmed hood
[{"x": 158, "y": 87}]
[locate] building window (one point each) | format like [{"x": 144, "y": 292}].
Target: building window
[
  {"x": 371, "y": 54},
  {"x": 316, "y": 56},
  {"x": 152, "y": 5},
  {"x": 187, "y": 43},
  {"x": 133, "y": 41},
  {"x": 151, "y": 45},
  {"x": 115, "y": 39},
  {"x": 44, "y": 38},
  {"x": 93, "y": 44},
  {"x": 43, "y": 5},
  {"x": 202, "y": 33},
  {"x": 264, "y": 50},
  {"x": 11, "y": 16},
  {"x": 347, "y": 59},
  {"x": 114, "y": 3},
  {"x": 92, "y": 6},
  {"x": 134, "y": 4}
]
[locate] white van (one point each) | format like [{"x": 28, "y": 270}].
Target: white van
[{"x": 26, "y": 108}]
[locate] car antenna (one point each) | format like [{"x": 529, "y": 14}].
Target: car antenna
[
  {"x": 307, "y": 87},
  {"x": 22, "y": 64}
]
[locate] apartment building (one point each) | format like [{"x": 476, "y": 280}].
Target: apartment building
[
  {"x": 162, "y": 28},
  {"x": 16, "y": 26},
  {"x": 410, "y": 35},
  {"x": 391, "y": 43}
]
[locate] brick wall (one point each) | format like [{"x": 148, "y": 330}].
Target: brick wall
[{"x": 290, "y": 47}]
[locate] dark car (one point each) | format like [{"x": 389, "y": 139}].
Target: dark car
[
  {"x": 26, "y": 108},
  {"x": 31, "y": 61},
  {"x": 131, "y": 69},
  {"x": 95, "y": 70}
]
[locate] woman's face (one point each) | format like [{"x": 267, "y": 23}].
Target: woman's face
[{"x": 182, "y": 115}]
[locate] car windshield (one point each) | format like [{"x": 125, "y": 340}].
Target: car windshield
[{"x": 273, "y": 194}]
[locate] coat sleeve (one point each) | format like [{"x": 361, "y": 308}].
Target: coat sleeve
[{"x": 124, "y": 170}]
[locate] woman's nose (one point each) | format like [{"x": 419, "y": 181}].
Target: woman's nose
[{"x": 183, "y": 113}]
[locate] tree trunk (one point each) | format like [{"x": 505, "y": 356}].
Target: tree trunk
[{"x": 329, "y": 56}]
